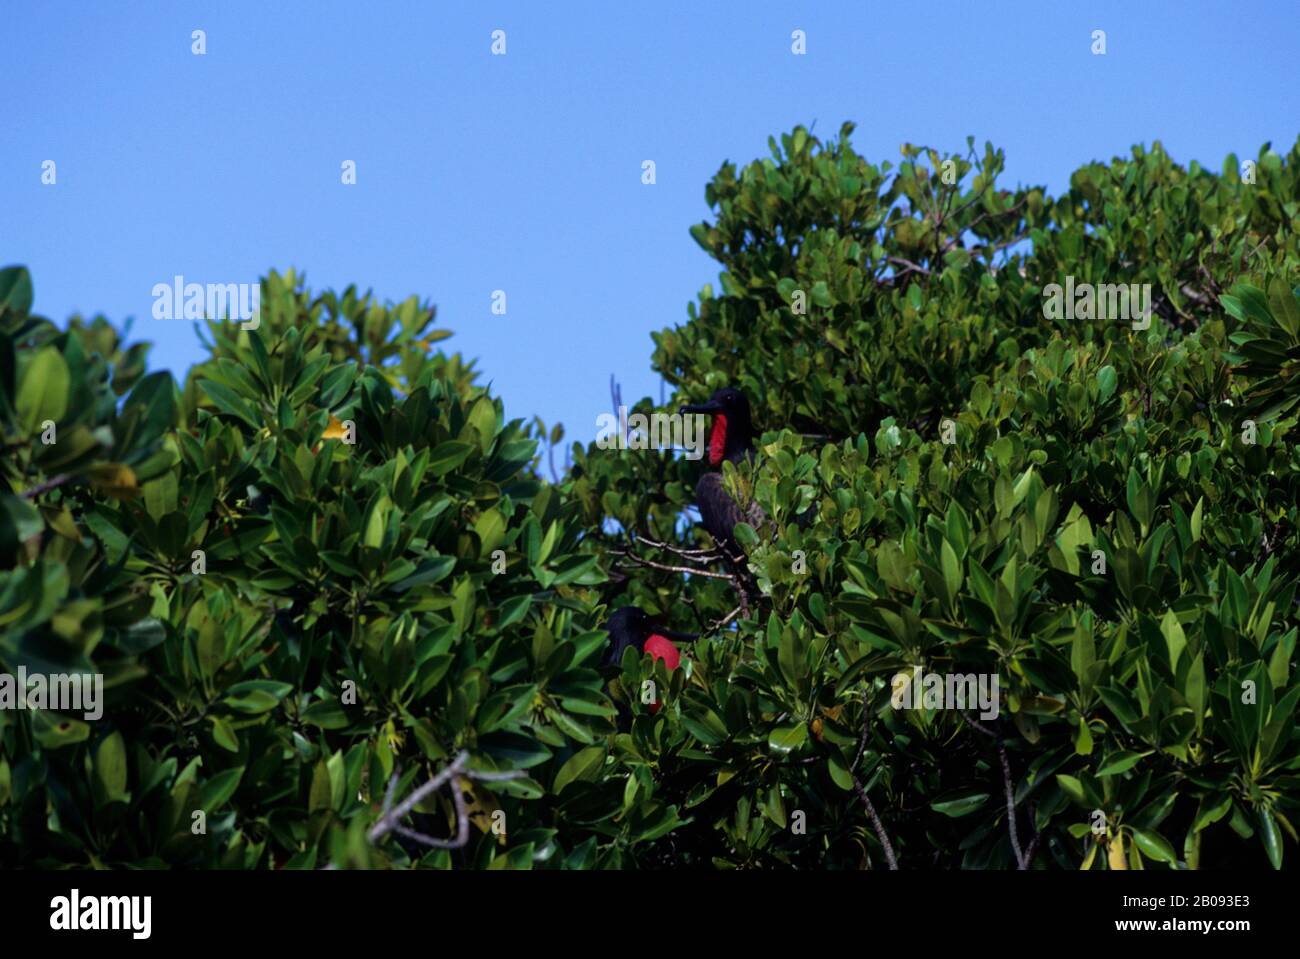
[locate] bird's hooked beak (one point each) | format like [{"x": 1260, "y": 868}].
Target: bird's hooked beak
[
  {"x": 712, "y": 407},
  {"x": 675, "y": 635}
]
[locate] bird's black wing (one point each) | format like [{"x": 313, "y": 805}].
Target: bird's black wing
[
  {"x": 720, "y": 513},
  {"x": 617, "y": 645}
]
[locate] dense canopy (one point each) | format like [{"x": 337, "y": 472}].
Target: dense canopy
[{"x": 329, "y": 557}]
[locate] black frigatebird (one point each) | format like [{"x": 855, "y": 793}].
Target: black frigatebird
[
  {"x": 633, "y": 626},
  {"x": 731, "y": 438}
]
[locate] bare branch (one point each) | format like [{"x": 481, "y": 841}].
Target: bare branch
[
  {"x": 48, "y": 485},
  {"x": 701, "y": 558},
  {"x": 1011, "y": 804},
  {"x": 714, "y": 627},
  {"x": 615, "y": 395},
  {"x": 979, "y": 727},
  {"x": 390, "y": 820},
  {"x": 1033, "y": 843},
  {"x": 695, "y": 555},
  {"x": 1008, "y": 785},
  {"x": 392, "y": 790},
  {"x": 876, "y": 824},
  {"x": 636, "y": 560},
  {"x": 909, "y": 266}
]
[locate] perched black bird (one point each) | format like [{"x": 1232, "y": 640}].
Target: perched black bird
[
  {"x": 731, "y": 437},
  {"x": 633, "y": 626}
]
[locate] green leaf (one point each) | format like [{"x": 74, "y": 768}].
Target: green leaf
[
  {"x": 1195, "y": 690},
  {"x": 1154, "y": 846},
  {"x": 15, "y": 289},
  {"x": 582, "y": 765},
  {"x": 217, "y": 790},
  {"x": 55, "y": 732},
  {"x": 1106, "y": 382},
  {"x": 43, "y": 390},
  {"x": 447, "y": 456},
  {"x": 327, "y": 714},
  {"x": 224, "y": 734},
  {"x": 952, "y": 574},
  {"x": 1174, "y": 638},
  {"x": 19, "y": 522},
  {"x": 321, "y": 794},
  {"x": 1213, "y": 808},
  {"x": 1271, "y": 836},
  {"x": 1282, "y": 304},
  {"x": 783, "y": 739},
  {"x": 229, "y": 402},
  {"x": 1083, "y": 738},
  {"x": 1072, "y": 787},
  {"x": 483, "y": 417},
  {"x": 377, "y": 522},
  {"x": 963, "y": 806},
  {"x": 430, "y": 570},
  {"x": 1121, "y": 762},
  {"x": 255, "y": 696},
  {"x": 110, "y": 767}
]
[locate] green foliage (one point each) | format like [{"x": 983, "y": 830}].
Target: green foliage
[
  {"x": 1104, "y": 517},
  {"x": 1101, "y": 516},
  {"x": 285, "y": 618}
]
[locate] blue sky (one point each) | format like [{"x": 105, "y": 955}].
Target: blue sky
[{"x": 523, "y": 172}]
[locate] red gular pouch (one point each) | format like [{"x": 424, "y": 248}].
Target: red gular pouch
[
  {"x": 718, "y": 439},
  {"x": 660, "y": 647}
]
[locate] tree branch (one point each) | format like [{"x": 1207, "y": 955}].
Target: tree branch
[
  {"x": 48, "y": 485},
  {"x": 636, "y": 560},
  {"x": 1023, "y": 858},
  {"x": 858, "y": 788},
  {"x": 694, "y": 555},
  {"x": 391, "y": 818}
]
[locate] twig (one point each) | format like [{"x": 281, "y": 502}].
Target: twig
[
  {"x": 910, "y": 266},
  {"x": 392, "y": 788},
  {"x": 876, "y": 824},
  {"x": 742, "y": 591},
  {"x": 714, "y": 627},
  {"x": 702, "y": 557},
  {"x": 550, "y": 457},
  {"x": 1268, "y": 542},
  {"x": 695, "y": 555},
  {"x": 1023, "y": 858},
  {"x": 1033, "y": 843},
  {"x": 642, "y": 561},
  {"x": 952, "y": 242},
  {"x": 979, "y": 727},
  {"x": 47, "y": 486},
  {"x": 615, "y": 396},
  {"x": 390, "y": 819},
  {"x": 1011, "y": 804}
]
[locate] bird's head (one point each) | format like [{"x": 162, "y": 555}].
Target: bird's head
[{"x": 732, "y": 432}]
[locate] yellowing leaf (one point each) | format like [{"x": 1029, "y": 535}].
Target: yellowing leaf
[
  {"x": 1115, "y": 852},
  {"x": 113, "y": 479},
  {"x": 335, "y": 431}
]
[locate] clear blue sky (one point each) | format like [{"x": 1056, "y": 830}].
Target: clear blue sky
[{"x": 523, "y": 172}]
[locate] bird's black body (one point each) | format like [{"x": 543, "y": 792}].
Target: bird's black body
[
  {"x": 719, "y": 513},
  {"x": 731, "y": 437}
]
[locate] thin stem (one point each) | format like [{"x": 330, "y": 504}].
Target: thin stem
[{"x": 876, "y": 824}]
